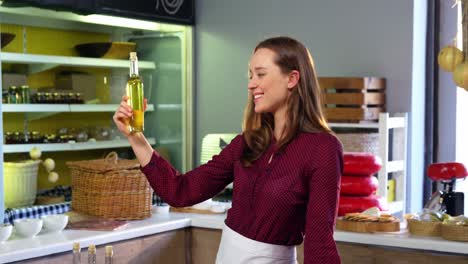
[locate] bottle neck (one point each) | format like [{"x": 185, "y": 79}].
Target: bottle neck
[{"x": 134, "y": 68}]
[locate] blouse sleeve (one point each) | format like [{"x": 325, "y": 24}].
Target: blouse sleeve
[
  {"x": 197, "y": 185},
  {"x": 323, "y": 179}
]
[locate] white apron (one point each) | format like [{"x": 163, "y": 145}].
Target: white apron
[{"x": 238, "y": 249}]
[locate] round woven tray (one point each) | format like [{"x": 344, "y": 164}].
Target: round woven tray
[
  {"x": 455, "y": 232},
  {"x": 424, "y": 228}
]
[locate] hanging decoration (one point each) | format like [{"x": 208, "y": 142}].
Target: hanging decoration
[
  {"x": 449, "y": 57},
  {"x": 460, "y": 74},
  {"x": 452, "y": 59}
]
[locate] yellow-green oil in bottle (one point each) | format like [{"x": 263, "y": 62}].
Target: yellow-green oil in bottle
[{"x": 135, "y": 93}]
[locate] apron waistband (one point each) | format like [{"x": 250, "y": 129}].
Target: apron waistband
[{"x": 258, "y": 248}]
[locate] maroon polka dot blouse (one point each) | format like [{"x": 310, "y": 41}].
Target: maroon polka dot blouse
[{"x": 291, "y": 199}]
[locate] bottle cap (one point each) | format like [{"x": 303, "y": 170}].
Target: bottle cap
[
  {"x": 76, "y": 246},
  {"x": 109, "y": 251},
  {"x": 92, "y": 249},
  {"x": 133, "y": 55}
]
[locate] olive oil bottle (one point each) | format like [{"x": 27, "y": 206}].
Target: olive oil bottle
[
  {"x": 136, "y": 97},
  {"x": 76, "y": 253},
  {"x": 92, "y": 254},
  {"x": 109, "y": 255}
]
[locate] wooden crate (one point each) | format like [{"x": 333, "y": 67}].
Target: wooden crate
[{"x": 353, "y": 99}]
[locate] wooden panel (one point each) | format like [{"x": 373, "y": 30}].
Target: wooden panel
[
  {"x": 352, "y": 83},
  {"x": 355, "y": 98},
  {"x": 352, "y": 114},
  {"x": 367, "y": 254},
  {"x": 355, "y": 253},
  {"x": 192, "y": 210},
  {"x": 168, "y": 247},
  {"x": 204, "y": 245}
]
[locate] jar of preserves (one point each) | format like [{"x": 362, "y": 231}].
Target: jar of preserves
[
  {"x": 48, "y": 98},
  {"x": 5, "y": 96},
  {"x": 8, "y": 138},
  {"x": 18, "y": 138},
  {"x": 78, "y": 98},
  {"x": 36, "y": 137}
]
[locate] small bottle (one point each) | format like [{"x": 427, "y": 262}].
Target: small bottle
[
  {"x": 109, "y": 255},
  {"x": 12, "y": 94},
  {"x": 26, "y": 94},
  {"x": 92, "y": 254},
  {"x": 136, "y": 97},
  {"x": 76, "y": 253}
]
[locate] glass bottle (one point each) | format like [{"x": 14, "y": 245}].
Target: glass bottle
[
  {"x": 109, "y": 255},
  {"x": 12, "y": 94},
  {"x": 92, "y": 254},
  {"x": 26, "y": 94},
  {"x": 136, "y": 97},
  {"x": 76, "y": 253}
]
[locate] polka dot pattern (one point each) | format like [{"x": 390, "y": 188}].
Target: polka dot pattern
[{"x": 285, "y": 197}]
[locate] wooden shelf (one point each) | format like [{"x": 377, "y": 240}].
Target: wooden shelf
[
  {"x": 24, "y": 148},
  {"x": 355, "y": 125}
]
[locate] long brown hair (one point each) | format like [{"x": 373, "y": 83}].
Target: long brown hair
[{"x": 304, "y": 106}]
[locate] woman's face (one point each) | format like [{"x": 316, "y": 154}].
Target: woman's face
[{"x": 267, "y": 84}]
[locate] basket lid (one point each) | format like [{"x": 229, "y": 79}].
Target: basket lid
[{"x": 110, "y": 163}]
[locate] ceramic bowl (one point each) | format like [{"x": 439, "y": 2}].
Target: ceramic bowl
[
  {"x": 162, "y": 209},
  {"x": 6, "y": 38},
  {"x": 5, "y": 232},
  {"x": 28, "y": 227},
  {"x": 108, "y": 50},
  {"x": 55, "y": 223}
]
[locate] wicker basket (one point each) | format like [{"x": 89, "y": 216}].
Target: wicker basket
[
  {"x": 424, "y": 228},
  {"x": 455, "y": 232},
  {"x": 110, "y": 188},
  {"x": 360, "y": 142}
]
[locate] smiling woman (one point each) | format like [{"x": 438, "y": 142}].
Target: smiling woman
[{"x": 285, "y": 153}]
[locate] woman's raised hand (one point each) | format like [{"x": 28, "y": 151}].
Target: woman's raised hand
[{"x": 123, "y": 115}]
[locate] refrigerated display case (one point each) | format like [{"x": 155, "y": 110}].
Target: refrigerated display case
[{"x": 43, "y": 49}]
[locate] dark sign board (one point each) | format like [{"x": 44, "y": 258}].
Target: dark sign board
[{"x": 171, "y": 11}]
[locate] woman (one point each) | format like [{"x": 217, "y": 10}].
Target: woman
[{"x": 286, "y": 165}]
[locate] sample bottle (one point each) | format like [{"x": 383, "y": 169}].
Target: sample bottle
[
  {"x": 109, "y": 255},
  {"x": 92, "y": 254},
  {"x": 76, "y": 253},
  {"x": 136, "y": 97}
]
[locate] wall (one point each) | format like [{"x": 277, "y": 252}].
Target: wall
[{"x": 346, "y": 38}]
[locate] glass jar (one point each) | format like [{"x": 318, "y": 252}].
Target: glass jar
[
  {"x": 18, "y": 138},
  {"x": 36, "y": 137},
  {"x": 5, "y": 96},
  {"x": 8, "y": 138},
  {"x": 78, "y": 98},
  {"x": 56, "y": 98},
  {"x": 48, "y": 98},
  {"x": 50, "y": 138}
]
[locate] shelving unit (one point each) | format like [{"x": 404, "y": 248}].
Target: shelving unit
[
  {"x": 165, "y": 60},
  {"x": 392, "y": 150}
]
